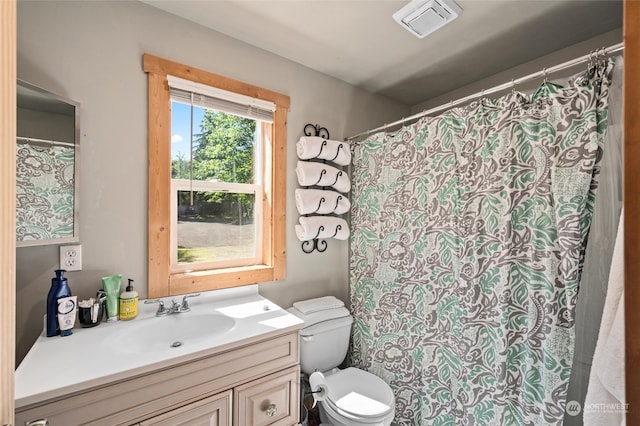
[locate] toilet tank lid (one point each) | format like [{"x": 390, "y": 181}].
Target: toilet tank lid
[{"x": 320, "y": 316}]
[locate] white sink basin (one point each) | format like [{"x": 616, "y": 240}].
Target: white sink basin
[
  {"x": 219, "y": 320},
  {"x": 169, "y": 332}
]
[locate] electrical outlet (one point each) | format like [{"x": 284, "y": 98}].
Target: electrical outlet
[{"x": 71, "y": 257}]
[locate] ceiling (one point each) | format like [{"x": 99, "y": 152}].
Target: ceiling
[{"x": 358, "y": 41}]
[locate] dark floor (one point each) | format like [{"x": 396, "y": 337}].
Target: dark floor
[{"x": 313, "y": 418}]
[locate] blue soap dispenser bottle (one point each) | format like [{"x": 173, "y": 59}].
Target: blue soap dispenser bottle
[{"x": 59, "y": 288}]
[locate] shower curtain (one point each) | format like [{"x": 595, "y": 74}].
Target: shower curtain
[{"x": 468, "y": 237}]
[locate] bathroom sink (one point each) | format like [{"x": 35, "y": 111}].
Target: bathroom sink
[{"x": 170, "y": 332}]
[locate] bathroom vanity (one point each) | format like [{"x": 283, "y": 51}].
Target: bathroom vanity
[{"x": 236, "y": 364}]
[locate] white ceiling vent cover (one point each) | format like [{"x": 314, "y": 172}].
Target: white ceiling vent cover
[{"x": 422, "y": 17}]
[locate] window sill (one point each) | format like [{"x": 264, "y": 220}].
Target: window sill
[{"x": 192, "y": 282}]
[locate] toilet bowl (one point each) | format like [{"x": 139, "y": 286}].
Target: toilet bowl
[{"x": 354, "y": 397}]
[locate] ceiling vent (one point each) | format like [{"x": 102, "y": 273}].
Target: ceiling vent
[{"x": 422, "y": 17}]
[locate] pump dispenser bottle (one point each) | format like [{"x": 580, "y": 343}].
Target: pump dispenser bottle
[
  {"x": 59, "y": 289},
  {"x": 128, "y": 303}
]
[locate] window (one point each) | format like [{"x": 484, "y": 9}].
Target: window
[{"x": 217, "y": 178}]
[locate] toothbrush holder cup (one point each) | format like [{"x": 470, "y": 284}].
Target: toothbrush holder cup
[{"x": 90, "y": 316}]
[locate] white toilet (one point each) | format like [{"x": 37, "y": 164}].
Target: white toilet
[{"x": 355, "y": 397}]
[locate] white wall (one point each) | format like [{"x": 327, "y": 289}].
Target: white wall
[
  {"x": 91, "y": 52},
  {"x": 558, "y": 57}
]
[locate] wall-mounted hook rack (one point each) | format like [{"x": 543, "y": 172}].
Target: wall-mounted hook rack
[{"x": 317, "y": 130}]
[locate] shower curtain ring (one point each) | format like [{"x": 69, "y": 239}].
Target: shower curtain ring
[
  {"x": 603, "y": 55},
  {"x": 544, "y": 72}
]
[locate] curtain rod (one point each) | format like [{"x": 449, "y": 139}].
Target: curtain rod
[
  {"x": 568, "y": 64},
  {"x": 44, "y": 141}
]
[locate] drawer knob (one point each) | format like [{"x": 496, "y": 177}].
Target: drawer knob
[
  {"x": 271, "y": 410},
  {"x": 39, "y": 422}
]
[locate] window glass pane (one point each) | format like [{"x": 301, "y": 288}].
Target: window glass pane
[
  {"x": 223, "y": 147},
  {"x": 216, "y": 226}
]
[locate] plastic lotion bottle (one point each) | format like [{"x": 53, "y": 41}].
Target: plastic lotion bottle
[
  {"x": 59, "y": 289},
  {"x": 111, "y": 286},
  {"x": 129, "y": 303}
]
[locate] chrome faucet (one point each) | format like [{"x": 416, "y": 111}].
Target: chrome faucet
[
  {"x": 185, "y": 303},
  {"x": 162, "y": 311},
  {"x": 175, "y": 308}
]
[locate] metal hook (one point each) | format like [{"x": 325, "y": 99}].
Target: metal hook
[
  {"x": 322, "y": 145},
  {"x": 340, "y": 146},
  {"x": 338, "y": 199},
  {"x": 337, "y": 177},
  {"x": 513, "y": 87},
  {"x": 544, "y": 72},
  {"x": 322, "y": 200},
  {"x": 322, "y": 173}
]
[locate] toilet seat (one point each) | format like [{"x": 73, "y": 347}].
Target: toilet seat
[{"x": 357, "y": 394}]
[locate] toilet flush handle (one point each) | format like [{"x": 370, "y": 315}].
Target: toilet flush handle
[{"x": 307, "y": 338}]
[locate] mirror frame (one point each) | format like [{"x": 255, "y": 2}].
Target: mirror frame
[{"x": 76, "y": 166}]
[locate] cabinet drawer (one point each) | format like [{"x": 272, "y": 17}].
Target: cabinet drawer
[
  {"x": 212, "y": 411},
  {"x": 271, "y": 400}
]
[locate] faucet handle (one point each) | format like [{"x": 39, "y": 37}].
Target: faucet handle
[
  {"x": 161, "y": 309},
  {"x": 185, "y": 303}
]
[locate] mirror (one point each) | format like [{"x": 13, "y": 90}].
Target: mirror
[{"x": 46, "y": 167}]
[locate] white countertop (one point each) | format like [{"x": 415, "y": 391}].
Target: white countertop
[{"x": 56, "y": 366}]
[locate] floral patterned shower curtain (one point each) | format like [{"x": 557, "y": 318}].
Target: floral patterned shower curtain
[{"x": 468, "y": 235}]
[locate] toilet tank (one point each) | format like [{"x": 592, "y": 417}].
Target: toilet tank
[{"x": 324, "y": 341}]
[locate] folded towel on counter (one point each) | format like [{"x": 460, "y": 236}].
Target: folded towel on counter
[
  {"x": 322, "y": 227},
  {"x": 311, "y": 173},
  {"x": 318, "y": 304},
  {"x": 316, "y": 147},
  {"x": 321, "y": 201}
]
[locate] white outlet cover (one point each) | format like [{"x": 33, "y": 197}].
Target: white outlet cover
[{"x": 71, "y": 257}]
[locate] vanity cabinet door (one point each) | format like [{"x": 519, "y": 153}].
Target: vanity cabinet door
[
  {"x": 212, "y": 411},
  {"x": 271, "y": 400}
]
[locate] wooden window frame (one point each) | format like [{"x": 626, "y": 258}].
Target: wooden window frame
[{"x": 161, "y": 281}]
